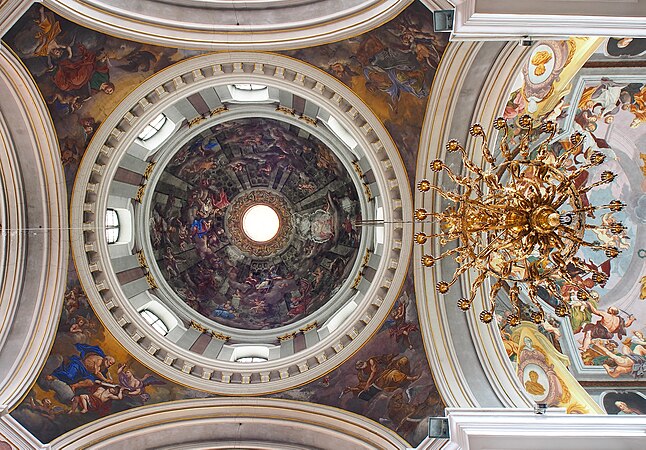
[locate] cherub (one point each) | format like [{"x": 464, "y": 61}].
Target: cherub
[
  {"x": 136, "y": 386},
  {"x": 99, "y": 400}
]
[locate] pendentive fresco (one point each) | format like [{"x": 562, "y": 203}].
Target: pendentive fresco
[{"x": 83, "y": 75}]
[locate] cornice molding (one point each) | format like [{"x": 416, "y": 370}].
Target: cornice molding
[
  {"x": 217, "y": 421},
  {"x": 264, "y": 25},
  {"x": 36, "y": 238},
  {"x": 546, "y": 20}
]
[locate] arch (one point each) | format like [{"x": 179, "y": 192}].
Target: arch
[
  {"x": 233, "y": 422},
  {"x": 287, "y": 24},
  {"x": 34, "y": 246},
  {"x": 466, "y": 356}
]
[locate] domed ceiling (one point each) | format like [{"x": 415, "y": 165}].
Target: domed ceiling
[
  {"x": 214, "y": 264},
  {"x": 197, "y": 202}
]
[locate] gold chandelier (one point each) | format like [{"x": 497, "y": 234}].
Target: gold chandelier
[{"x": 520, "y": 222}]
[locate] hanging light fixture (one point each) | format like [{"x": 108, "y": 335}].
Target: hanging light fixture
[{"x": 522, "y": 221}]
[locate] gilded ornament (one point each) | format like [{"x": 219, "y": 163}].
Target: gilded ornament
[{"x": 520, "y": 222}]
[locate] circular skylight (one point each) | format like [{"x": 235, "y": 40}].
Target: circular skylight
[{"x": 260, "y": 223}]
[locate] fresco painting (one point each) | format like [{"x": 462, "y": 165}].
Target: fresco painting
[
  {"x": 625, "y": 47},
  {"x": 391, "y": 68},
  {"x": 88, "y": 375},
  {"x": 624, "y": 402},
  {"x": 195, "y": 243},
  {"x": 610, "y": 328},
  {"x": 388, "y": 380},
  {"x": 83, "y": 75},
  {"x": 604, "y": 336}
]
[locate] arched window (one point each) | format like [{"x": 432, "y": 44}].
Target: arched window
[
  {"x": 249, "y": 87},
  {"x": 153, "y": 127},
  {"x": 251, "y": 359},
  {"x": 249, "y": 93},
  {"x": 111, "y": 226},
  {"x": 154, "y": 321}
]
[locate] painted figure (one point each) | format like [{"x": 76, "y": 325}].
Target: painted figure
[
  {"x": 618, "y": 364},
  {"x": 610, "y": 324},
  {"x": 532, "y": 385},
  {"x": 625, "y": 409},
  {"x": 99, "y": 400},
  {"x": 91, "y": 365},
  {"x": 380, "y": 373},
  {"x": 136, "y": 386}
]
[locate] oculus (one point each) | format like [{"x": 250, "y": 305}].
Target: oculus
[{"x": 260, "y": 223}]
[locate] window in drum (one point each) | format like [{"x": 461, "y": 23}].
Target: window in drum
[
  {"x": 153, "y": 127},
  {"x": 111, "y": 226},
  {"x": 154, "y": 321}
]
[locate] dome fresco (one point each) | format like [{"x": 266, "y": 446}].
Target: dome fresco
[{"x": 197, "y": 216}]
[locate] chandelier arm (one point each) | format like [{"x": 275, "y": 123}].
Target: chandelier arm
[
  {"x": 593, "y": 185},
  {"x": 450, "y": 252},
  {"x": 484, "y": 147},
  {"x": 523, "y": 146},
  {"x": 553, "y": 289},
  {"x": 493, "y": 294},
  {"x": 592, "y": 245},
  {"x": 469, "y": 164},
  {"x": 576, "y": 140},
  {"x": 459, "y": 271},
  {"x": 476, "y": 284},
  {"x": 455, "y": 198},
  {"x": 461, "y": 181},
  {"x": 580, "y": 264},
  {"x": 615, "y": 207},
  {"x": 586, "y": 209},
  {"x": 568, "y": 280},
  {"x": 540, "y": 316},
  {"x": 514, "y": 297}
]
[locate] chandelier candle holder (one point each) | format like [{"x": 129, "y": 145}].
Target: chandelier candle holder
[{"x": 521, "y": 221}]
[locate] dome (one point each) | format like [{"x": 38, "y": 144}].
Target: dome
[
  {"x": 215, "y": 192},
  {"x": 213, "y": 141}
]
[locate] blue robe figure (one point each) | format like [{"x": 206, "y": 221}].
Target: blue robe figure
[
  {"x": 200, "y": 228},
  {"x": 75, "y": 371}
]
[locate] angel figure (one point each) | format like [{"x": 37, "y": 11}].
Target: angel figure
[
  {"x": 134, "y": 386},
  {"x": 403, "y": 326}
]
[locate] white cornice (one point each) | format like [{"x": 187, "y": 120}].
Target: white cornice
[
  {"x": 213, "y": 25},
  {"x": 31, "y": 165},
  {"x": 472, "y": 429},
  {"x": 190, "y": 423},
  {"x": 476, "y": 19}
]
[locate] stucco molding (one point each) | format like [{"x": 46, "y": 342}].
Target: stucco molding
[
  {"x": 519, "y": 427},
  {"x": 472, "y": 84},
  {"x": 481, "y": 20},
  {"x": 191, "y": 423},
  {"x": 91, "y": 252},
  {"x": 266, "y": 24},
  {"x": 35, "y": 237}
]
